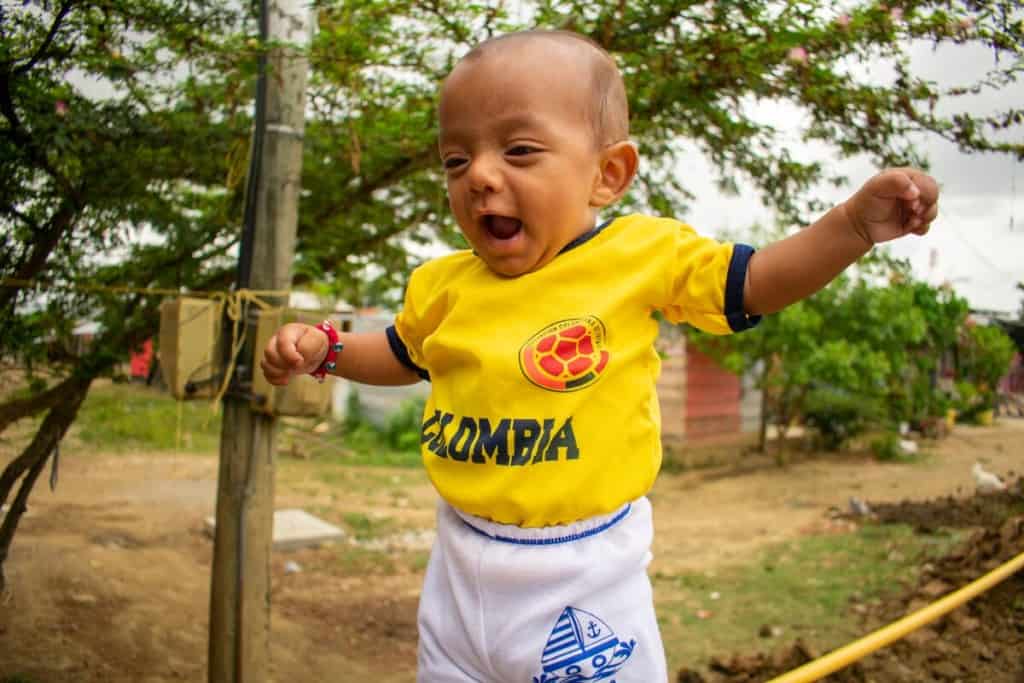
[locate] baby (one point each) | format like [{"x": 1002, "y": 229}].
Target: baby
[{"x": 542, "y": 431}]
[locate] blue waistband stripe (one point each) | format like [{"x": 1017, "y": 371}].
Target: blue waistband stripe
[{"x": 556, "y": 540}]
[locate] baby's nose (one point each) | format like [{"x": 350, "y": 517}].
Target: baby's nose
[{"x": 485, "y": 174}]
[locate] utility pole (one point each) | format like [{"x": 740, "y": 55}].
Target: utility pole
[{"x": 239, "y": 646}]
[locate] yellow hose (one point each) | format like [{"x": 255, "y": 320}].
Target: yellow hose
[{"x": 846, "y": 655}]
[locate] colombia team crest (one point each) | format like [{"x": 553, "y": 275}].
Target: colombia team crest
[{"x": 567, "y": 355}]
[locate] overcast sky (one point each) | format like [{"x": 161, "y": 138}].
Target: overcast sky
[{"x": 977, "y": 244}]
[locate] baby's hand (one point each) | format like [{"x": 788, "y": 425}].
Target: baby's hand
[
  {"x": 295, "y": 349},
  {"x": 893, "y": 203}
]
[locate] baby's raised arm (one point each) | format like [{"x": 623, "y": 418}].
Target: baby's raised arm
[
  {"x": 299, "y": 349},
  {"x": 890, "y": 205}
]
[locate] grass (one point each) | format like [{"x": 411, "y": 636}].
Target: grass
[
  {"x": 806, "y": 587},
  {"x": 124, "y": 417},
  {"x": 130, "y": 417},
  {"x": 365, "y": 528},
  {"x": 363, "y": 446}
]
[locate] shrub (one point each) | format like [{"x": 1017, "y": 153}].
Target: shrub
[
  {"x": 403, "y": 427},
  {"x": 400, "y": 432},
  {"x": 839, "y": 415},
  {"x": 887, "y": 447},
  {"x": 969, "y": 402},
  {"x": 355, "y": 414}
]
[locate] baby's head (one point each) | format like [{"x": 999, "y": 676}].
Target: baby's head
[{"x": 534, "y": 141}]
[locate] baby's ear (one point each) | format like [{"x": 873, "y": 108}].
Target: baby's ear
[{"x": 615, "y": 174}]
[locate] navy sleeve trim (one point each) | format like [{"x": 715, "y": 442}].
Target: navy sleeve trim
[
  {"x": 402, "y": 353},
  {"x": 735, "y": 315}
]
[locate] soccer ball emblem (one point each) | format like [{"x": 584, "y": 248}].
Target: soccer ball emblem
[{"x": 566, "y": 355}]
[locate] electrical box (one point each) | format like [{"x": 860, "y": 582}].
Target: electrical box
[
  {"x": 191, "y": 354},
  {"x": 303, "y": 396}
]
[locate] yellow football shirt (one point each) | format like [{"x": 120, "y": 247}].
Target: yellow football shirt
[{"x": 543, "y": 408}]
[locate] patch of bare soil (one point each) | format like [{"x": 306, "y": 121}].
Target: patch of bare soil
[
  {"x": 951, "y": 513},
  {"x": 979, "y": 641}
]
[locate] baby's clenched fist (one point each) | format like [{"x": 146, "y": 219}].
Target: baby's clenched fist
[{"x": 295, "y": 349}]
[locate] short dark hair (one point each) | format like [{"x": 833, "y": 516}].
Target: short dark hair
[{"x": 609, "y": 113}]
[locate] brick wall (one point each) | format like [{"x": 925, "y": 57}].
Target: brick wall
[
  {"x": 672, "y": 390},
  {"x": 712, "y": 398}
]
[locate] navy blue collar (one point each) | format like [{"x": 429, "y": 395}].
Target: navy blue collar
[{"x": 587, "y": 236}]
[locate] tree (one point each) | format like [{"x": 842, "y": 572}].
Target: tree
[
  {"x": 123, "y": 191},
  {"x": 861, "y": 352},
  {"x": 124, "y": 129}
]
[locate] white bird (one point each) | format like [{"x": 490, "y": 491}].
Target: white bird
[
  {"x": 985, "y": 480},
  {"x": 859, "y": 507}
]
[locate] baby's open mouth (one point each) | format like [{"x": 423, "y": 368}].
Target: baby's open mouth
[{"x": 502, "y": 227}]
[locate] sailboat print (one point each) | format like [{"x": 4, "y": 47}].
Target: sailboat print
[{"x": 582, "y": 647}]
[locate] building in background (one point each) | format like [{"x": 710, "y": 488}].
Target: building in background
[
  {"x": 701, "y": 402},
  {"x": 141, "y": 361}
]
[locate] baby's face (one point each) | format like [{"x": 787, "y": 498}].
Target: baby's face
[{"x": 519, "y": 153}]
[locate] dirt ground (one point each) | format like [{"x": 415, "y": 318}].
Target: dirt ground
[
  {"x": 979, "y": 641},
  {"x": 108, "y": 578}
]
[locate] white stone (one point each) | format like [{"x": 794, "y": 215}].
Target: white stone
[{"x": 294, "y": 528}]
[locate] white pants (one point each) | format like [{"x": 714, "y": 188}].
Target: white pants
[{"x": 503, "y": 604}]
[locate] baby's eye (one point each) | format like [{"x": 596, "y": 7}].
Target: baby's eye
[
  {"x": 453, "y": 162},
  {"x": 521, "y": 150}
]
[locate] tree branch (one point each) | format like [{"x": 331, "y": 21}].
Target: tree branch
[
  {"x": 7, "y": 106},
  {"x": 18, "y": 508},
  {"x": 16, "y": 409},
  {"x": 41, "y": 52},
  {"x": 49, "y": 434},
  {"x": 458, "y": 31},
  {"x": 389, "y": 176},
  {"x": 43, "y": 246},
  {"x": 11, "y": 210},
  {"x": 33, "y": 458}
]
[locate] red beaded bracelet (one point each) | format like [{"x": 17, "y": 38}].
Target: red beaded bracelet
[{"x": 334, "y": 347}]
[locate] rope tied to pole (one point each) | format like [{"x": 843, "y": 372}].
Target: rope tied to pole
[{"x": 236, "y": 305}]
